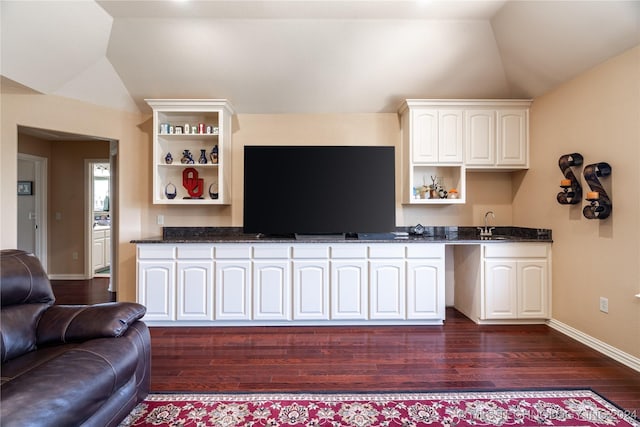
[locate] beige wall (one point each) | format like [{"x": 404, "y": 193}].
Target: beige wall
[
  {"x": 598, "y": 115},
  {"x": 61, "y": 114}
]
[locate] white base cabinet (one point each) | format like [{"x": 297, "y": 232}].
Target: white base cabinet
[
  {"x": 292, "y": 284},
  {"x": 508, "y": 282},
  {"x": 101, "y": 251}
]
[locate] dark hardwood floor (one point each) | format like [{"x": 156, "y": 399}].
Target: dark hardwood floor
[{"x": 457, "y": 356}]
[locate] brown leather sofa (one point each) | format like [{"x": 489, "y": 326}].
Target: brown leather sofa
[{"x": 66, "y": 365}]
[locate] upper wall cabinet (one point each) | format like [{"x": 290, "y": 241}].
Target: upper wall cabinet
[
  {"x": 497, "y": 135},
  {"x": 435, "y": 133},
  {"x": 432, "y": 153},
  {"x": 191, "y": 151}
]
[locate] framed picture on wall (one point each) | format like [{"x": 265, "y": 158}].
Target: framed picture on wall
[{"x": 25, "y": 188}]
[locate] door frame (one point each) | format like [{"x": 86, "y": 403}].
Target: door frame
[
  {"x": 41, "y": 206},
  {"x": 88, "y": 222}
]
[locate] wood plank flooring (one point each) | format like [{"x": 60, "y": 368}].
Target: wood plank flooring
[{"x": 457, "y": 356}]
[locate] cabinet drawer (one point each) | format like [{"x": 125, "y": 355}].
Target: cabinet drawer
[
  {"x": 425, "y": 250},
  {"x": 349, "y": 251},
  {"x": 386, "y": 251},
  {"x": 515, "y": 250},
  {"x": 98, "y": 234},
  {"x": 195, "y": 251},
  {"x": 268, "y": 251},
  {"x": 157, "y": 251},
  {"x": 233, "y": 251},
  {"x": 311, "y": 251}
]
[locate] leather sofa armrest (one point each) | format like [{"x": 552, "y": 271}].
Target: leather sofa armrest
[{"x": 74, "y": 323}]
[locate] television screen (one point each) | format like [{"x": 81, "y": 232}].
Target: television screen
[{"x": 319, "y": 189}]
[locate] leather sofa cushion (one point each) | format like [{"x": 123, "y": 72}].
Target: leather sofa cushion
[
  {"x": 70, "y": 385},
  {"x": 67, "y": 323},
  {"x": 18, "y": 329},
  {"x": 23, "y": 280}
]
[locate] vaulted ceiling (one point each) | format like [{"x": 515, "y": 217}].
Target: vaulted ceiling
[{"x": 306, "y": 56}]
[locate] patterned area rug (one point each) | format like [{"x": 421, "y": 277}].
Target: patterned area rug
[{"x": 508, "y": 408}]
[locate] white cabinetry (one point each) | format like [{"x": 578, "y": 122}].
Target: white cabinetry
[
  {"x": 271, "y": 283},
  {"x": 497, "y": 135},
  {"x": 349, "y": 282},
  {"x": 101, "y": 251},
  {"x": 432, "y": 147},
  {"x": 425, "y": 281},
  {"x": 157, "y": 281},
  {"x": 195, "y": 290},
  {"x": 387, "y": 287},
  {"x": 209, "y": 125},
  {"x": 516, "y": 282},
  {"x": 310, "y": 283},
  {"x": 233, "y": 290},
  {"x": 504, "y": 282},
  {"x": 436, "y": 135}
]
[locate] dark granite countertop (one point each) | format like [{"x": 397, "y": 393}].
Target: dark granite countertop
[{"x": 431, "y": 235}]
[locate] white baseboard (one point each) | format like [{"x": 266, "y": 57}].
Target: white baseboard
[
  {"x": 67, "y": 277},
  {"x": 604, "y": 348}
]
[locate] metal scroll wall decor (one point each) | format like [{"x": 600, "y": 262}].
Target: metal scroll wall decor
[
  {"x": 599, "y": 206},
  {"x": 571, "y": 193}
]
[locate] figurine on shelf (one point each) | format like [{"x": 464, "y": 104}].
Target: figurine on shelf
[
  {"x": 168, "y": 159},
  {"x": 214, "y": 155},
  {"x": 213, "y": 191},
  {"x": 187, "y": 158},
  {"x": 170, "y": 191},
  {"x": 203, "y": 157}
]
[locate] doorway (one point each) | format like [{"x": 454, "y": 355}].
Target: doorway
[
  {"x": 32, "y": 202},
  {"x": 98, "y": 211},
  {"x": 61, "y": 182}
]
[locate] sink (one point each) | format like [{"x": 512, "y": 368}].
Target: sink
[{"x": 495, "y": 238}]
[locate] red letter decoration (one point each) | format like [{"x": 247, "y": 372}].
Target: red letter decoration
[{"x": 194, "y": 185}]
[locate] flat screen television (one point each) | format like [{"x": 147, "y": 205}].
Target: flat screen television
[{"x": 319, "y": 190}]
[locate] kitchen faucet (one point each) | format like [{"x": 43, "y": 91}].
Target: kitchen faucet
[{"x": 487, "y": 231}]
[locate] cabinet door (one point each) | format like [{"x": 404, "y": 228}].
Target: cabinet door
[
  {"x": 424, "y": 135},
  {"x": 425, "y": 289},
  {"x": 349, "y": 289},
  {"x": 233, "y": 290},
  {"x": 195, "y": 290},
  {"x": 450, "y": 146},
  {"x": 387, "y": 290},
  {"x": 98, "y": 251},
  {"x": 157, "y": 288},
  {"x": 480, "y": 138},
  {"x": 512, "y": 138},
  {"x": 271, "y": 290},
  {"x": 311, "y": 290},
  {"x": 533, "y": 290},
  {"x": 107, "y": 248},
  {"x": 500, "y": 290}
]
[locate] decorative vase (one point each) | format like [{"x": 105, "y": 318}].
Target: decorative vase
[
  {"x": 187, "y": 158},
  {"x": 168, "y": 159},
  {"x": 170, "y": 191},
  {"x": 214, "y": 155},
  {"x": 203, "y": 157},
  {"x": 213, "y": 191}
]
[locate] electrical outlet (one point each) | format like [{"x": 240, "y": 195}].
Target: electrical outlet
[
  {"x": 160, "y": 220},
  {"x": 74, "y": 255},
  {"x": 604, "y": 304}
]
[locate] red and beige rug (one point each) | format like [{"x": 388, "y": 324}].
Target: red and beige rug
[{"x": 507, "y": 408}]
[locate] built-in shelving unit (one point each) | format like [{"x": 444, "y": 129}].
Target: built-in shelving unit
[{"x": 209, "y": 125}]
